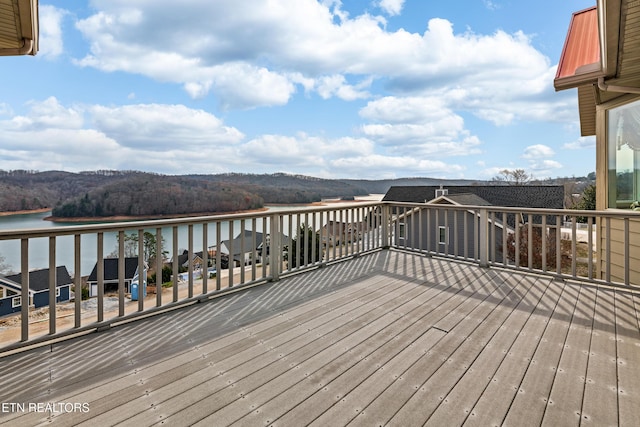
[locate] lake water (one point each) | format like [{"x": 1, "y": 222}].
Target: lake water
[{"x": 39, "y": 248}]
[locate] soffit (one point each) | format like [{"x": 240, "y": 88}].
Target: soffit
[
  {"x": 628, "y": 61},
  {"x": 587, "y": 108}
]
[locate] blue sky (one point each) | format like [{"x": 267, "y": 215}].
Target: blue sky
[{"x": 346, "y": 89}]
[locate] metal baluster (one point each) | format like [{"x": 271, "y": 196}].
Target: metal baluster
[
  {"x": 100, "y": 275},
  {"x": 24, "y": 289},
  {"x": 176, "y": 268},
  {"x": 159, "y": 267},
  {"x": 205, "y": 258},
  {"x": 53, "y": 285},
  {"x": 218, "y": 256},
  {"x": 77, "y": 280},
  {"x": 121, "y": 273}
]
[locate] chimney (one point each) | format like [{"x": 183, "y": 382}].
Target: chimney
[{"x": 441, "y": 191}]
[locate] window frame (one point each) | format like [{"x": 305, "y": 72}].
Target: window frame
[
  {"x": 606, "y": 194},
  {"x": 443, "y": 239}
]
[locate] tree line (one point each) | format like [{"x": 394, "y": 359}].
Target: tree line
[{"x": 131, "y": 193}]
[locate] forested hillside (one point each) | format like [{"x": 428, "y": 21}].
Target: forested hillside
[
  {"x": 29, "y": 190},
  {"x": 149, "y": 195},
  {"x": 131, "y": 193}
]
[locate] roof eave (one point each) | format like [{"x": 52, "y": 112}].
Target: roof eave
[
  {"x": 26, "y": 21},
  {"x": 585, "y": 75},
  {"x": 609, "y": 33},
  {"x": 608, "y": 15}
]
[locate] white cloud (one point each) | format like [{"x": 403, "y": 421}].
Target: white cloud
[
  {"x": 538, "y": 151},
  {"x": 377, "y": 166},
  {"x": 50, "y": 28},
  {"x": 337, "y": 85},
  {"x": 391, "y": 7},
  {"x": 545, "y": 168},
  {"x": 491, "y": 5},
  {"x": 47, "y": 114},
  {"x": 584, "y": 142},
  {"x": 302, "y": 152},
  {"x": 258, "y": 56},
  {"x": 162, "y": 126},
  {"x": 169, "y": 138},
  {"x": 418, "y": 126}
]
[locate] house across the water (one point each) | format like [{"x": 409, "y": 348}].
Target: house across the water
[
  {"x": 12, "y": 298},
  {"x": 111, "y": 277}
]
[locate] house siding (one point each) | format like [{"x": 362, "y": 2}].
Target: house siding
[
  {"x": 617, "y": 250},
  {"x": 41, "y": 299},
  {"x": 5, "y": 306},
  {"x": 616, "y": 244},
  {"x": 421, "y": 232}
]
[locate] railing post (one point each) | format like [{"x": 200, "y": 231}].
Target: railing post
[
  {"x": 142, "y": 277},
  {"x": 159, "y": 266},
  {"x": 275, "y": 247},
  {"x": 24, "y": 290},
  {"x": 483, "y": 241},
  {"x": 77, "y": 279},
  {"x": 52, "y": 285},
  {"x": 386, "y": 220}
]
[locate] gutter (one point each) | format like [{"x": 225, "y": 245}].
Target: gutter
[
  {"x": 614, "y": 88},
  {"x": 26, "y": 49}
]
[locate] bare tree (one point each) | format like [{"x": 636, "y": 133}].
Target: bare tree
[
  {"x": 513, "y": 177},
  {"x": 4, "y": 267}
]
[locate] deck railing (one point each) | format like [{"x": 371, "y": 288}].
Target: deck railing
[
  {"x": 230, "y": 252},
  {"x": 594, "y": 246}
]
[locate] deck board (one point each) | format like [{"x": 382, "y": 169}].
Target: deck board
[
  {"x": 388, "y": 338},
  {"x": 531, "y": 401},
  {"x": 334, "y": 388},
  {"x": 628, "y": 333},
  {"x": 467, "y": 341},
  {"x": 364, "y": 336},
  {"x": 565, "y": 400},
  {"x": 494, "y": 403},
  {"x": 457, "y": 404},
  {"x": 600, "y": 403}
]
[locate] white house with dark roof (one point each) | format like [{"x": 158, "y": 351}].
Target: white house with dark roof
[
  {"x": 243, "y": 249},
  {"x": 111, "y": 276}
]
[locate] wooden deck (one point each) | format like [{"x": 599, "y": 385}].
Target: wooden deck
[{"x": 387, "y": 338}]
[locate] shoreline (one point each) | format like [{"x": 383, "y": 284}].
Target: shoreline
[
  {"x": 25, "y": 212},
  {"x": 120, "y": 218}
]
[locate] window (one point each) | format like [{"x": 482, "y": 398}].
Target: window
[
  {"x": 401, "y": 230},
  {"x": 16, "y": 302},
  {"x": 443, "y": 235},
  {"x": 623, "y": 144},
  {"x": 57, "y": 292}
]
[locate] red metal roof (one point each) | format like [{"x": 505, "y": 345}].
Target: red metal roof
[{"x": 582, "y": 46}]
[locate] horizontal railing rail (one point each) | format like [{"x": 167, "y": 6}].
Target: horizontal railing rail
[
  {"x": 548, "y": 241},
  {"x": 199, "y": 257},
  {"x": 186, "y": 260}
]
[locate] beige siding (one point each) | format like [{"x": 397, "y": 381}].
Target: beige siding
[
  {"x": 10, "y": 36},
  {"x": 617, "y": 250}
]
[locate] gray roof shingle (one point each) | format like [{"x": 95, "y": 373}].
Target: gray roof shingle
[{"x": 526, "y": 196}]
